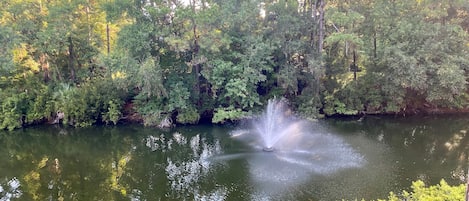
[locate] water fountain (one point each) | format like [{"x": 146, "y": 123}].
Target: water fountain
[
  {"x": 288, "y": 150},
  {"x": 277, "y": 127}
]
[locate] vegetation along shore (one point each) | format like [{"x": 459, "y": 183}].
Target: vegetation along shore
[{"x": 85, "y": 62}]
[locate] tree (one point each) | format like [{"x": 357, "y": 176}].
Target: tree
[{"x": 402, "y": 70}]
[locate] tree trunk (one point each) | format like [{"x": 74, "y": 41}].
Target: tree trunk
[
  {"x": 43, "y": 60},
  {"x": 467, "y": 186},
  {"x": 195, "y": 51},
  {"x": 321, "y": 30},
  {"x": 108, "y": 39},
  {"x": 314, "y": 10},
  {"x": 374, "y": 45},
  {"x": 70, "y": 58},
  {"x": 87, "y": 11},
  {"x": 355, "y": 66}
]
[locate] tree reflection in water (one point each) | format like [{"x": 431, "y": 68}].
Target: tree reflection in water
[
  {"x": 10, "y": 189},
  {"x": 205, "y": 163}
]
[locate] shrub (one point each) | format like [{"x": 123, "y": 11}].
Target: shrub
[{"x": 439, "y": 192}]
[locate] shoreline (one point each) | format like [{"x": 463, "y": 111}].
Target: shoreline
[{"x": 135, "y": 119}]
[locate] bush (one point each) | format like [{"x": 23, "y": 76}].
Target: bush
[
  {"x": 11, "y": 116},
  {"x": 188, "y": 116},
  {"x": 151, "y": 109},
  {"x": 420, "y": 192},
  {"x": 439, "y": 192},
  {"x": 89, "y": 103},
  {"x": 228, "y": 114}
]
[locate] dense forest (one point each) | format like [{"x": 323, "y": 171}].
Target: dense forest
[{"x": 82, "y": 62}]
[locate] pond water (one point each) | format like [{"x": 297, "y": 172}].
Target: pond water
[{"x": 205, "y": 162}]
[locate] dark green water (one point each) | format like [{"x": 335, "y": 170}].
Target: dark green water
[{"x": 205, "y": 163}]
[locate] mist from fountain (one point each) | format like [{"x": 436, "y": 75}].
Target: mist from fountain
[
  {"x": 291, "y": 149},
  {"x": 277, "y": 128}
]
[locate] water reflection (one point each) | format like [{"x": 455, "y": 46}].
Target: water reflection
[
  {"x": 53, "y": 166},
  {"x": 215, "y": 195},
  {"x": 185, "y": 173},
  {"x": 10, "y": 189},
  {"x": 427, "y": 147},
  {"x": 205, "y": 163}
]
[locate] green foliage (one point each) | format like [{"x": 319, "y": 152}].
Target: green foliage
[
  {"x": 88, "y": 104},
  {"x": 224, "y": 58},
  {"x": 149, "y": 79},
  {"x": 152, "y": 118},
  {"x": 41, "y": 105},
  {"x": 309, "y": 105},
  {"x": 188, "y": 116},
  {"x": 421, "y": 192},
  {"x": 12, "y": 113},
  {"x": 137, "y": 39},
  {"x": 33, "y": 105},
  {"x": 334, "y": 106},
  {"x": 226, "y": 114},
  {"x": 150, "y": 109},
  {"x": 408, "y": 61},
  {"x": 8, "y": 39},
  {"x": 179, "y": 101},
  {"x": 439, "y": 192},
  {"x": 113, "y": 113},
  {"x": 179, "y": 97}
]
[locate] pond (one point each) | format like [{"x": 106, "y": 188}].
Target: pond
[{"x": 367, "y": 159}]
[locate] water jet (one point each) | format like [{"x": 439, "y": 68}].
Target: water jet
[{"x": 295, "y": 144}]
